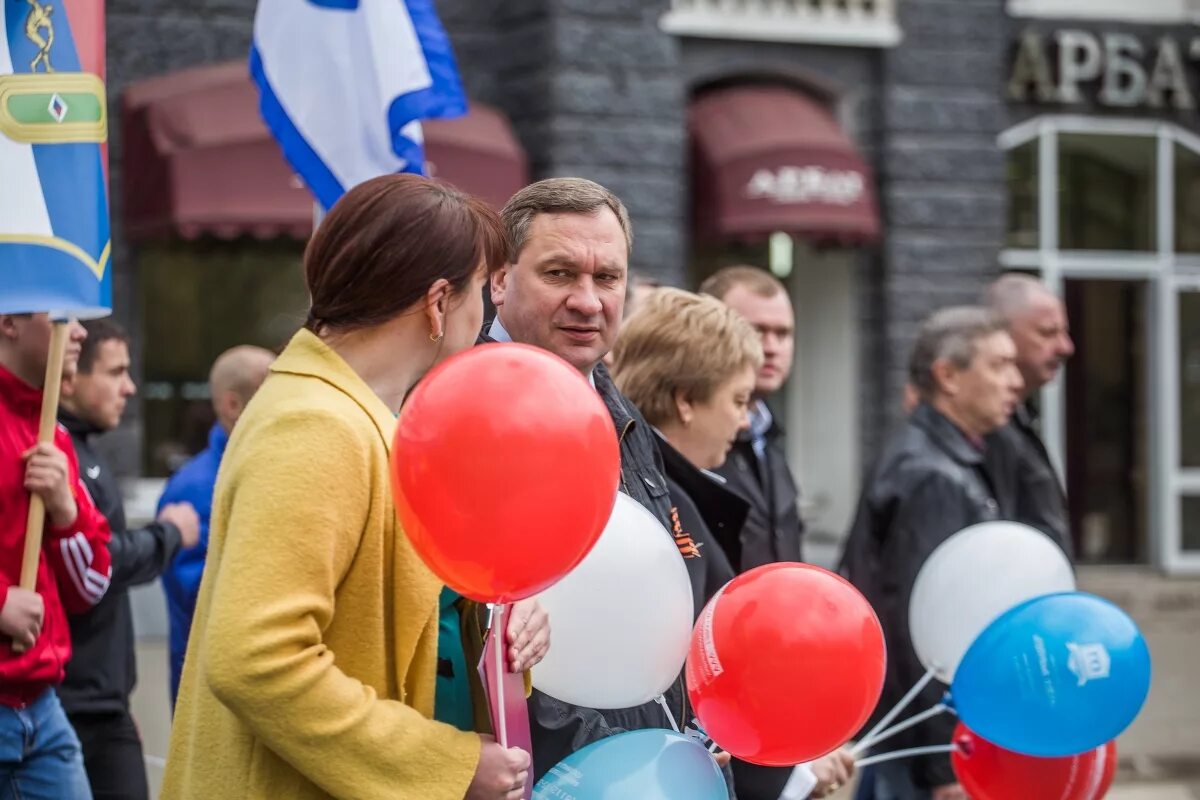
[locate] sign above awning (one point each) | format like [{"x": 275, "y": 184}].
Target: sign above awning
[
  {"x": 198, "y": 159},
  {"x": 768, "y": 158}
]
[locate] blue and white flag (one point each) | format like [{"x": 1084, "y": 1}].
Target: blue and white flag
[
  {"x": 344, "y": 83},
  {"x": 54, "y": 234}
]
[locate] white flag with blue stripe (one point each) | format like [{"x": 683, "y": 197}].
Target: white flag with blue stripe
[{"x": 343, "y": 85}]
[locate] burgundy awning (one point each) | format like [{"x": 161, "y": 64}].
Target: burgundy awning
[
  {"x": 198, "y": 159},
  {"x": 769, "y": 158}
]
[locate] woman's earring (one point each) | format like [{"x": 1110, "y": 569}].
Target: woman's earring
[{"x": 438, "y": 338}]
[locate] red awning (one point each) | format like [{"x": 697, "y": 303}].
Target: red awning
[
  {"x": 198, "y": 159},
  {"x": 769, "y": 158}
]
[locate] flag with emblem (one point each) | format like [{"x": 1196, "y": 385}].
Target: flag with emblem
[
  {"x": 344, "y": 84},
  {"x": 54, "y": 228}
]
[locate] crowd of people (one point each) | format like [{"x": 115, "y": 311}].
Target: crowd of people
[{"x": 313, "y": 654}]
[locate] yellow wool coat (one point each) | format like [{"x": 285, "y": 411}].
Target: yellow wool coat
[{"x": 311, "y": 665}]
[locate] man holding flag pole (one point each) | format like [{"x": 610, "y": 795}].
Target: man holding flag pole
[{"x": 54, "y": 248}]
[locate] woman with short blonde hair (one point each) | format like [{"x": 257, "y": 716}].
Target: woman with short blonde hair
[{"x": 688, "y": 362}]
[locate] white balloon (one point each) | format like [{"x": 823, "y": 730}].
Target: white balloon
[
  {"x": 971, "y": 579},
  {"x": 621, "y": 621}
]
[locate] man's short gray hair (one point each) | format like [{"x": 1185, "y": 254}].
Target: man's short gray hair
[
  {"x": 558, "y": 196},
  {"x": 949, "y": 335},
  {"x": 1013, "y": 293}
]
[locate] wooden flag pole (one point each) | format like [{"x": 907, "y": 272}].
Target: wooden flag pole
[{"x": 36, "y": 521}]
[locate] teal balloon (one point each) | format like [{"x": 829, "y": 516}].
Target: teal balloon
[
  {"x": 646, "y": 765},
  {"x": 1056, "y": 676}
]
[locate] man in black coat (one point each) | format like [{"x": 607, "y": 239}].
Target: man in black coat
[
  {"x": 102, "y": 671},
  {"x": 564, "y": 290},
  {"x": 931, "y": 482},
  {"x": 1037, "y": 322},
  {"x": 757, "y": 469},
  {"x": 757, "y": 466}
]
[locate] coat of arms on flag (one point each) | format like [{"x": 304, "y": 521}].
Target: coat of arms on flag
[{"x": 54, "y": 229}]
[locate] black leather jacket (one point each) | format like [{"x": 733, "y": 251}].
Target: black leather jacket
[
  {"x": 1018, "y": 458},
  {"x": 103, "y": 669},
  {"x": 930, "y": 483}
]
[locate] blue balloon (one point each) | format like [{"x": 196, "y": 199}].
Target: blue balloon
[
  {"x": 648, "y": 765},
  {"x": 1058, "y": 675}
]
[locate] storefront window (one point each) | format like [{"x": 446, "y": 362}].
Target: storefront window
[
  {"x": 205, "y": 297},
  {"x": 1023, "y": 196},
  {"x": 1106, "y": 192},
  {"x": 1187, "y": 200}
]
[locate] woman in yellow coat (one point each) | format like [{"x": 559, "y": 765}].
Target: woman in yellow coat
[{"x": 312, "y": 659}]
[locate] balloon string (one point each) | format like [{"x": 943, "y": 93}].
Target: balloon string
[
  {"x": 869, "y": 739},
  {"x": 662, "y": 701},
  {"x": 499, "y": 630},
  {"x": 912, "y": 721},
  {"x": 910, "y": 753}
]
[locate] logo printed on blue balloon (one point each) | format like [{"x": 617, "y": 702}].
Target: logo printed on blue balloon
[
  {"x": 1089, "y": 662},
  {"x": 647, "y": 765},
  {"x": 1058, "y": 675}
]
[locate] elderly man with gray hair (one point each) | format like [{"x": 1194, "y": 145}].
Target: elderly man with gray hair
[
  {"x": 1037, "y": 321},
  {"x": 931, "y": 482}
]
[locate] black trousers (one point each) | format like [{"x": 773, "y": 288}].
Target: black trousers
[{"x": 112, "y": 755}]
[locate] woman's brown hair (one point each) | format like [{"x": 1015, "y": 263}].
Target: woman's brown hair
[{"x": 386, "y": 241}]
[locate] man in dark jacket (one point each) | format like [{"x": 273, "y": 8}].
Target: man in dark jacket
[
  {"x": 102, "y": 671},
  {"x": 1037, "y": 322},
  {"x": 757, "y": 466},
  {"x": 930, "y": 483},
  {"x": 563, "y": 290}
]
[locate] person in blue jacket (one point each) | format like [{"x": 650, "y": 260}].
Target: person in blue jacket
[{"x": 236, "y": 375}]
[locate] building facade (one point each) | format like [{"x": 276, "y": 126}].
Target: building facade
[{"x": 883, "y": 157}]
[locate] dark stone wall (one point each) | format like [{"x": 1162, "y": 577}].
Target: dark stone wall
[{"x": 941, "y": 176}]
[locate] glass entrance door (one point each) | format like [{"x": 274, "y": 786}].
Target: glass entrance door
[
  {"x": 1106, "y": 420},
  {"x": 1183, "y": 454}
]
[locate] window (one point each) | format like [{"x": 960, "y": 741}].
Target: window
[
  {"x": 1106, "y": 192},
  {"x": 1187, "y": 200},
  {"x": 205, "y": 297},
  {"x": 1023, "y": 196}
]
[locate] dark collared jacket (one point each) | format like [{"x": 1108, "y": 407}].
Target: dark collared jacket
[
  {"x": 103, "y": 669},
  {"x": 1018, "y": 458}
]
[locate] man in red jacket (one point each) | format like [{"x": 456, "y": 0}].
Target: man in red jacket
[{"x": 40, "y": 757}]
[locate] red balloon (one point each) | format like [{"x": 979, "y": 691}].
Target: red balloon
[
  {"x": 786, "y": 664},
  {"x": 988, "y": 772},
  {"x": 505, "y": 467}
]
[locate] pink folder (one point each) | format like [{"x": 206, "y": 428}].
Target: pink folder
[{"x": 505, "y": 691}]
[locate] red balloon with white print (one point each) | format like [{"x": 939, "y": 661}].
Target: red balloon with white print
[
  {"x": 988, "y": 772},
  {"x": 786, "y": 664}
]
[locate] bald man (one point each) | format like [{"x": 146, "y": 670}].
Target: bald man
[
  {"x": 1037, "y": 321},
  {"x": 235, "y": 377}
]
